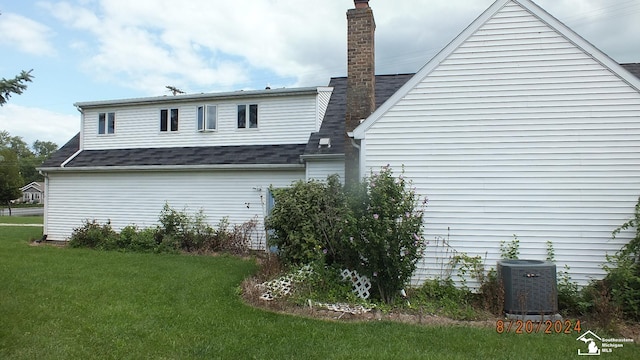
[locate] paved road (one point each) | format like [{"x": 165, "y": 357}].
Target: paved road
[{"x": 38, "y": 211}]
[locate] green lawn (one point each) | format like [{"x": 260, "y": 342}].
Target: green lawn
[
  {"x": 61, "y": 303},
  {"x": 21, "y": 220}
]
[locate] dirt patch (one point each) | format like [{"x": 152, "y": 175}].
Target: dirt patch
[{"x": 251, "y": 295}]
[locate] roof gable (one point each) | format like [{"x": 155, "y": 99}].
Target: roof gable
[{"x": 492, "y": 12}]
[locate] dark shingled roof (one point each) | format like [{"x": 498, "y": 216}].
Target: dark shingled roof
[
  {"x": 633, "y": 68},
  {"x": 333, "y": 123},
  {"x": 62, "y": 154},
  {"x": 196, "y": 155},
  {"x": 202, "y": 155}
]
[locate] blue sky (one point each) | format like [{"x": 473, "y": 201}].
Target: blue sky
[{"x": 84, "y": 50}]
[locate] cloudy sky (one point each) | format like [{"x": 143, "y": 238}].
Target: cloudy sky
[{"x": 84, "y": 50}]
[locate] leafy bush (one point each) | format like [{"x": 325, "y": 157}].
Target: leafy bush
[
  {"x": 374, "y": 228},
  {"x": 388, "y": 236},
  {"x": 92, "y": 235},
  {"x": 623, "y": 277},
  {"x": 308, "y": 223},
  {"x": 178, "y": 231}
]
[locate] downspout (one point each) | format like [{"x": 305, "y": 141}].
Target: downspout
[
  {"x": 45, "y": 225},
  {"x": 356, "y": 146}
]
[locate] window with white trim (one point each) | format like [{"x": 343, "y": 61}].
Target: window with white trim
[
  {"x": 248, "y": 116},
  {"x": 207, "y": 117},
  {"x": 106, "y": 123},
  {"x": 168, "y": 120}
]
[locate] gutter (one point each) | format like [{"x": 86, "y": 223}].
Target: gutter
[
  {"x": 159, "y": 168},
  {"x": 322, "y": 157},
  {"x": 195, "y": 97}
]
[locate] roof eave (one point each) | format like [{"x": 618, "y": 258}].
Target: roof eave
[
  {"x": 322, "y": 157},
  {"x": 174, "y": 168},
  {"x": 203, "y": 96}
]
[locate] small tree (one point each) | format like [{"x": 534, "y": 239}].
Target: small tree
[
  {"x": 10, "y": 179},
  {"x": 389, "y": 231}
]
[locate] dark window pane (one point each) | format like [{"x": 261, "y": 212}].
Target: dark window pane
[
  {"x": 200, "y": 117},
  {"x": 242, "y": 116},
  {"x": 211, "y": 118},
  {"x": 111, "y": 123},
  {"x": 101, "y": 123},
  {"x": 174, "y": 119},
  {"x": 163, "y": 120},
  {"x": 253, "y": 116}
]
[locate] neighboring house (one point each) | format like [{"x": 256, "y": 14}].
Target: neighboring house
[
  {"x": 519, "y": 126},
  {"x": 32, "y": 193}
]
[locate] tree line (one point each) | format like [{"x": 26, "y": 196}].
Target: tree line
[{"x": 18, "y": 164}]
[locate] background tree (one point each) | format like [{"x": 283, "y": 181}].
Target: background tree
[
  {"x": 14, "y": 86},
  {"x": 10, "y": 179},
  {"x": 28, "y": 160},
  {"x": 44, "y": 149}
]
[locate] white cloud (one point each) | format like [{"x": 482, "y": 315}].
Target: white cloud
[
  {"x": 211, "y": 45},
  {"x": 27, "y": 35},
  {"x": 38, "y": 124}
]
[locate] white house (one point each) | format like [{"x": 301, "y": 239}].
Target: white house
[
  {"x": 32, "y": 193},
  {"x": 519, "y": 126}
]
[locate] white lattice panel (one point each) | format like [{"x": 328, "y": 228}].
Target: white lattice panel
[
  {"x": 283, "y": 285},
  {"x": 361, "y": 284}
]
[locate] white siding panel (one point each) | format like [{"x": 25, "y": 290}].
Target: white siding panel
[
  {"x": 280, "y": 121},
  {"x": 319, "y": 170},
  {"x": 125, "y": 198},
  {"x": 323, "y": 103},
  {"x": 517, "y": 132}
]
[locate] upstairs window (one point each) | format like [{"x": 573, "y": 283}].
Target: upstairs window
[
  {"x": 207, "y": 117},
  {"x": 248, "y": 120},
  {"x": 106, "y": 123},
  {"x": 168, "y": 120}
]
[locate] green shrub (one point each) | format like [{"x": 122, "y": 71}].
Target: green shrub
[
  {"x": 623, "y": 276},
  {"x": 143, "y": 241},
  {"x": 92, "y": 235},
  {"x": 308, "y": 222},
  {"x": 374, "y": 228},
  {"x": 388, "y": 233}
]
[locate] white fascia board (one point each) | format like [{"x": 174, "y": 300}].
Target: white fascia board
[
  {"x": 174, "y": 168},
  {"x": 320, "y": 157},
  {"x": 204, "y": 96}
]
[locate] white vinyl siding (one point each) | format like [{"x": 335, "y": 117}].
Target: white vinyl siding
[
  {"x": 323, "y": 102},
  {"x": 125, "y": 198},
  {"x": 517, "y": 131},
  {"x": 320, "y": 169},
  {"x": 282, "y": 120}
]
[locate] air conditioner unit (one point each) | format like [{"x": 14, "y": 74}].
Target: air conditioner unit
[{"x": 530, "y": 286}]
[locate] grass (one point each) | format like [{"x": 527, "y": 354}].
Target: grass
[
  {"x": 62, "y": 303},
  {"x": 21, "y": 220}
]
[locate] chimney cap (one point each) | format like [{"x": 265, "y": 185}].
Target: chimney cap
[{"x": 360, "y": 4}]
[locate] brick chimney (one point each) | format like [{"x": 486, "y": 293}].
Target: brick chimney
[{"x": 360, "y": 79}]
